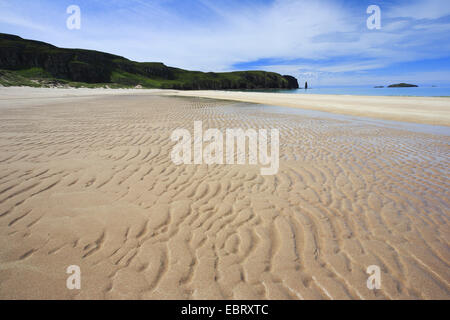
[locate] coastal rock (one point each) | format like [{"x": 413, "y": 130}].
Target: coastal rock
[
  {"x": 402, "y": 85},
  {"x": 292, "y": 82},
  {"x": 33, "y": 60}
]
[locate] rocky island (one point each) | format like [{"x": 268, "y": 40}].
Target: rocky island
[{"x": 402, "y": 85}]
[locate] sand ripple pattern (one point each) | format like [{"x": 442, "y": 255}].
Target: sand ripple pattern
[{"x": 89, "y": 182}]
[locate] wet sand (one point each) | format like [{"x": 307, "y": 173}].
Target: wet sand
[
  {"x": 86, "y": 179},
  {"x": 428, "y": 110}
]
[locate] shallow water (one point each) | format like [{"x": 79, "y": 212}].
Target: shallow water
[{"x": 349, "y": 120}]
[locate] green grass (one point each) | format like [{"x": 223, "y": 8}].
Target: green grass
[
  {"x": 132, "y": 80},
  {"x": 34, "y": 73},
  {"x": 20, "y": 78},
  {"x": 10, "y": 78}
]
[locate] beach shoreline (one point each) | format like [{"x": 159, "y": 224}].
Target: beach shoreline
[
  {"x": 87, "y": 180},
  {"x": 423, "y": 110}
]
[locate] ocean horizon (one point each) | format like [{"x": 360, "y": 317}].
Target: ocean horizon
[{"x": 369, "y": 91}]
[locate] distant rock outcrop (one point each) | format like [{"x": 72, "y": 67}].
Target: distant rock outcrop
[{"x": 402, "y": 85}]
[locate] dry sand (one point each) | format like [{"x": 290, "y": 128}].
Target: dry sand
[{"x": 86, "y": 179}]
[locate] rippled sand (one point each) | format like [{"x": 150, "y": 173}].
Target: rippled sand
[{"x": 88, "y": 181}]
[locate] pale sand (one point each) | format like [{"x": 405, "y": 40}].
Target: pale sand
[
  {"x": 86, "y": 179},
  {"x": 425, "y": 110},
  {"x": 428, "y": 110}
]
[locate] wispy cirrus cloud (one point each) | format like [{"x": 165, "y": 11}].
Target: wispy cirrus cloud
[
  {"x": 420, "y": 9},
  {"x": 9, "y": 16},
  {"x": 20, "y": 22}
]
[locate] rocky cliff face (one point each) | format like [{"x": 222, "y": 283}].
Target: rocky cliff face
[
  {"x": 97, "y": 67},
  {"x": 292, "y": 82}
]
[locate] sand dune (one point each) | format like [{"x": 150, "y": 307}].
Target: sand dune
[{"x": 86, "y": 179}]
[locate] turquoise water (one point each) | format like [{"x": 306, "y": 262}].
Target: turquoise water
[{"x": 361, "y": 91}]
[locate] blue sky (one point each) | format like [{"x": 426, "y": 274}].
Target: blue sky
[{"x": 325, "y": 42}]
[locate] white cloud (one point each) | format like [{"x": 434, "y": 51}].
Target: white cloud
[
  {"x": 421, "y": 9},
  {"x": 8, "y": 16},
  {"x": 238, "y": 33},
  {"x": 20, "y": 22}
]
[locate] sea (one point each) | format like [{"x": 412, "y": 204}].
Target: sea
[{"x": 370, "y": 91}]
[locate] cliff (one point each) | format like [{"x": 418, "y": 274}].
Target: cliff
[{"x": 28, "y": 59}]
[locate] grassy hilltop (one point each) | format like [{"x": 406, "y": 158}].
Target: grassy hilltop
[{"x": 35, "y": 63}]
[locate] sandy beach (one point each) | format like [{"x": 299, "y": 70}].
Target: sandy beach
[
  {"x": 86, "y": 179},
  {"x": 428, "y": 110}
]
